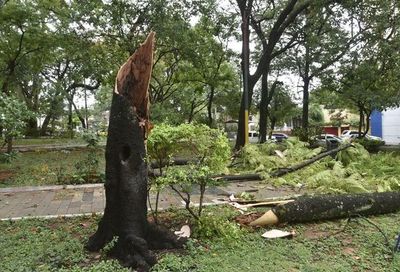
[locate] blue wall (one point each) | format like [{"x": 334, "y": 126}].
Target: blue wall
[{"x": 376, "y": 123}]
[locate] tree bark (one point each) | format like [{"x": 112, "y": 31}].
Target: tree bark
[
  {"x": 209, "y": 107},
  {"x": 245, "y": 7},
  {"x": 9, "y": 144},
  {"x": 70, "y": 121},
  {"x": 125, "y": 214},
  {"x": 80, "y": 116},
  {"x": 306, "y": 92},
  {"x": 264, "y": 106},
  {"x": 361, "y": 122},
  {"x": 325, "y": 207},
  {"x": 367, "y": 123}
]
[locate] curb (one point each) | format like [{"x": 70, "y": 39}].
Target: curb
[
  {"x": 50, "y": 216},
  {"x": 69, "y": 215}
]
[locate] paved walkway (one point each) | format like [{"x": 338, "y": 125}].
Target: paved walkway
[{"x": 53, "y": 201}]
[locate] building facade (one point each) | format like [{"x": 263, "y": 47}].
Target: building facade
[{"x": 386, "y": 124}]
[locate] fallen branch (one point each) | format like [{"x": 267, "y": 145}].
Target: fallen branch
[
  {"x": 244, "y": 177},
  {"x": 325, "y": 207},
  {"x": 174, "y": 161},
  {"x": 247, "y": 177},
  {"x": 283, "y": 171}
]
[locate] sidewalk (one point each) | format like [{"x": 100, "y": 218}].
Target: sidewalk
[{"x": 53, "y": 201}]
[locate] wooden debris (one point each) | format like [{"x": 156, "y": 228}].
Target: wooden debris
[
  {"x": 274, "y": 233},
  {"x": 325, "y": 207},
  {"x": 261, "y": 204}
]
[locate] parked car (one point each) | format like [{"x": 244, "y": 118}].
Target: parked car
[
  {"x": 351, "y": 134},
  {"x": 279, "y": 137},
  {"x": 275, "y": 137},
  {"x": 326, "y": 140},
  {"x": 253, "y": 137},
  {"x": 346, "y": 134}
]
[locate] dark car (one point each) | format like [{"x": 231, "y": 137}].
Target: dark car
[
  {"x": 326, "y": 140},
  {"x": 279, "y": 137}
]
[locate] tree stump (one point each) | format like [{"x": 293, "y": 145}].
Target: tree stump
[{"x": 125, "y": 215}]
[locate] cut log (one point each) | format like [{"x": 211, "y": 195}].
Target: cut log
[
  {"x": 125, "y": 214},
  {"x": 325, "y": 207}
]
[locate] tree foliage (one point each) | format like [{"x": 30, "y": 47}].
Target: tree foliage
[
  {"x": 209, "y": 146},
  {"x": 13, "y": 115}
]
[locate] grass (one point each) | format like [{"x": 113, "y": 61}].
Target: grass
[
  {"x": 48, "y": 141},
  {"x": 49, "y": 245},
  {"x": 324, "y": 246},
  {"x": 57, "y": 245},
  {"x": 44, "y": 168}
]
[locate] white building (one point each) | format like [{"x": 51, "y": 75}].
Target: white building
[{"x": 386, "y": 124}]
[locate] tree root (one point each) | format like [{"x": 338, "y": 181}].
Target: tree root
[{"x": 134, "y": 251}]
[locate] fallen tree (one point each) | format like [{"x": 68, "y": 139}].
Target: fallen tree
[
  {"x": 325, "y": 207},
  {"x": 283, "y": 171},
  {"x": 254, "y": 176},
  {"x": 125, "y": 214}
]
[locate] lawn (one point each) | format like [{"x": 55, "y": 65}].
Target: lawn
[
  {"x": 57, "y": 245},
  {"x": 48, "y": 141},
  {"x": 55, "y": 167}
]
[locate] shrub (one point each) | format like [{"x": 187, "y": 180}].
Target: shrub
[
  {"x": 212, "y": 227},
  {"x": 209, "y": 147},
  {"x": 371, "y": 145},
  {"x": 8, "y": 157},
  {"x": 87, "y": 169}
]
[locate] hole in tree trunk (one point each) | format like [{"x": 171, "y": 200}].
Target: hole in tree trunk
[{"x": 125, "y": 153}]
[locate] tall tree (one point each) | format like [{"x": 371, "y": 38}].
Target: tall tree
[
  {"x": 281, "y": 107},
  {"x": 368, "y": 77},
  {"x": 23, "y": 47},
  {"x": 322, "y": 41},
  {"x": 270, "y": 24}
]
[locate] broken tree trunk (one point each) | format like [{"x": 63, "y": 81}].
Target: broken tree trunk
[
  {"x": 324, "y": 207},
  {"x": 125, "y": 214}
]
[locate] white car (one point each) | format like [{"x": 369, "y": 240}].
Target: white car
[
  {"x": 253, "y": 137},
  {"x": 351, "y": 134}
]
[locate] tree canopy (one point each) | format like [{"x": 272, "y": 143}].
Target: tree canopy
[{"x": 56, "y": 57}]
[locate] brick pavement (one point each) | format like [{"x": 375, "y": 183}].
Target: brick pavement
[{"x": 52, "y": 201}]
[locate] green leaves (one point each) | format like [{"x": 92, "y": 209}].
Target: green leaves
[
  {"x": 13, "y": 114},
  {"x": 208, "y": 147}
]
